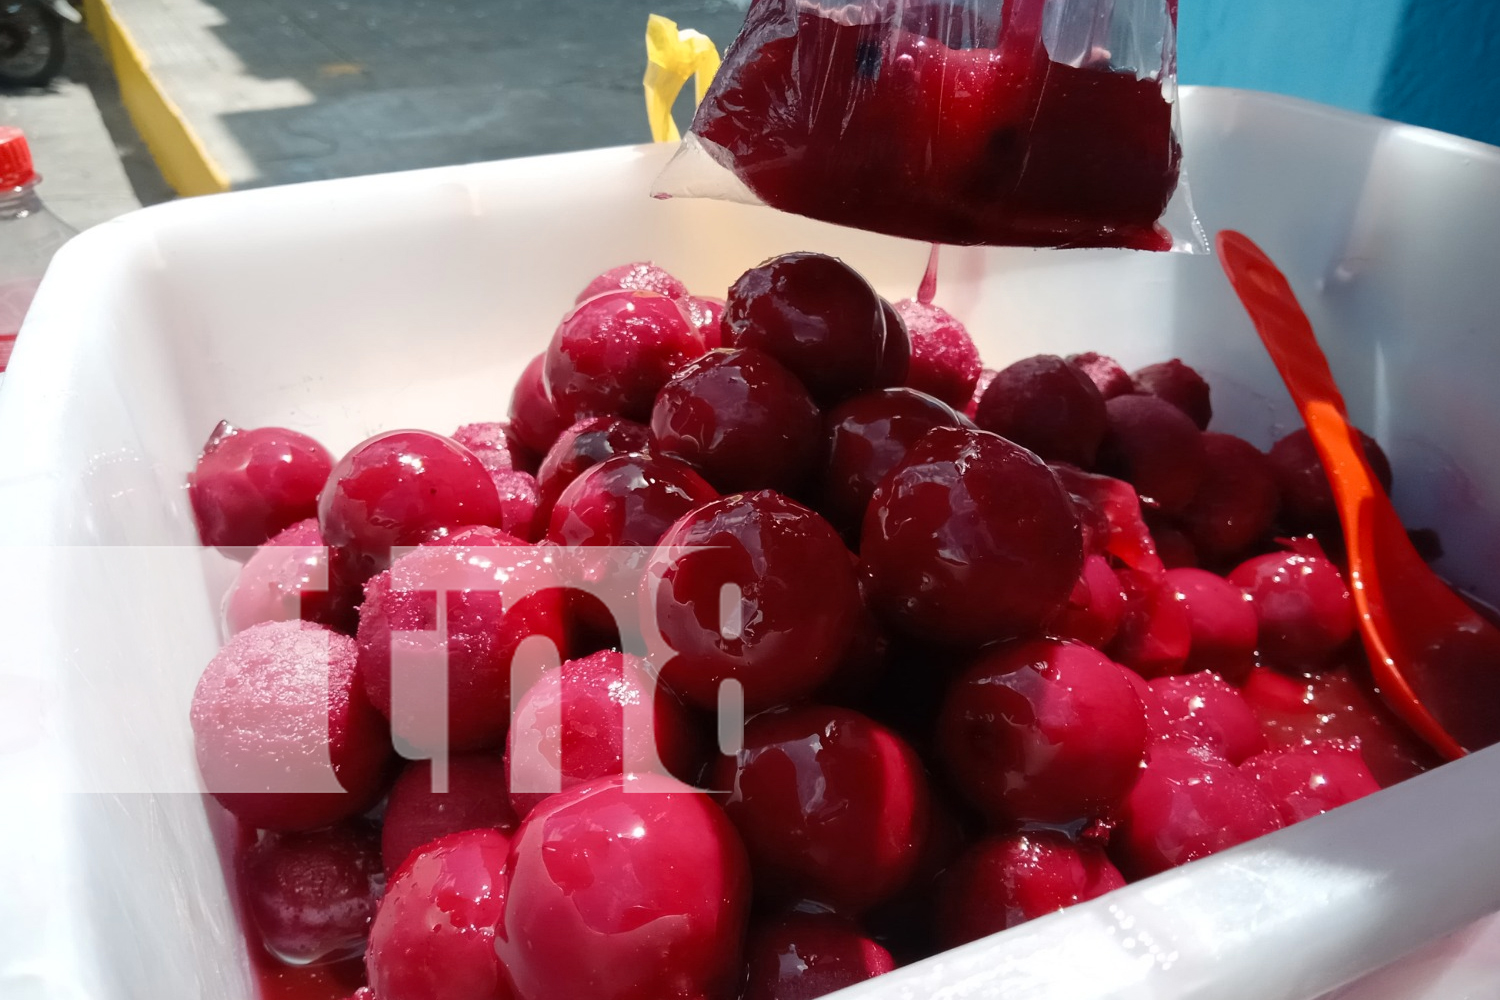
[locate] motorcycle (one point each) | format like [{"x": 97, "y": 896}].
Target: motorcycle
[{"x": 32, "y": 40}]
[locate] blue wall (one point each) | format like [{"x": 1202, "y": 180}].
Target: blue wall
[{"x": 1428, "y": 62}]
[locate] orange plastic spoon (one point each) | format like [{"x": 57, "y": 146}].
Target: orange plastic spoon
[{"x": 1436, "y": 661}]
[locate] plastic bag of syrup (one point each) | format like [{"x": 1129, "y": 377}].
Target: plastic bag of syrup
[{"x": 1047, "y": 123}]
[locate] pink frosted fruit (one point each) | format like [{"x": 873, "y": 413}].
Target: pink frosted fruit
[
  {"x": 707, "y": 315},
  {"x": 520, "y": 503},
  {"x": 415, "y": 815},
  {"x": 592, "y": 717},
  {"x": 642, "y": 276},
  {"x": 250, "y": 484},
  {"x": 273, "y": 710},
  {"x": 497, "y": 445},
  {"x": 944, "y": 361},
  {"x": 287, "y": 578},
  {"x": 434, "y": 934},
  {"x": 312, "y": 895}
]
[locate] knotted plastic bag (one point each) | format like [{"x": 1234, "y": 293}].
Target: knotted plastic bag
[{"x": 1048, "y": 123}]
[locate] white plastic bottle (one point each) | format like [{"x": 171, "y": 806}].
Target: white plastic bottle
[{"x": 29, "y": 236}]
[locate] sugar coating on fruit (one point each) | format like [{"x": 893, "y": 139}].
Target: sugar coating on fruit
[
  {"x": 285, "y": 739},
  {"x": 832, "y": 806},
  {"x": 642, "y": 276},
  {"x": 497, "y": 445},
  {"x": 287, "y": 578},
  {"x": 617, "y": 895},
  {"x": 944, "y": 361},
  {"x": 707, "y": 315},
  {"x": 434, "y": 935},
  {"x": 474, "y": 797}
]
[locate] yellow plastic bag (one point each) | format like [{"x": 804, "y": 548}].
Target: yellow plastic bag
[{"x": 673, "y": 55}]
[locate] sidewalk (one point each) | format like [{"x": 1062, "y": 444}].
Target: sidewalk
[{"x": 277, "y": 91}]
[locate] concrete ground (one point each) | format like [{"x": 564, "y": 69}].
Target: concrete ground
[
  {"x": 294, "y": 90},
  {"x": 93, "y": 164}
]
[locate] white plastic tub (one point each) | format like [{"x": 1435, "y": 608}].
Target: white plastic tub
[{"x": 349, "y": 307}]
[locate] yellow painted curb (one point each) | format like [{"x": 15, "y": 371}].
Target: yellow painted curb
[{"x": 176, "y": 148}]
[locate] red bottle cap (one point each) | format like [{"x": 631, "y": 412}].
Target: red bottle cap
[{"x": 15, "y": 159}]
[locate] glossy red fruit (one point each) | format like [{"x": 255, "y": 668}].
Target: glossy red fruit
[
  {"x": 944, "y": 361},
  {"x": 625, "y": 889},
  {"x": 434, "y": 935},
  {"x": 1048, "y": 406},
  {"x": 627, "y": 500},
  {"x": 400, "y": 488},
  {"x": 707, "y": 315},
  {"x": 287, "y": 578},
  {"x": 1174, "y": 547},
  {"x": 768, "y": 599},
  {"x": 583, "y": 446},
  {"x": 533, "y": 415},
  {"x": 1152, "y": 445},
  {"x": 1179, "y": 385},
  {"x": 312, "y": 895},
  {"x": 1237, "y": 501},
  {"x": 250, "y": 484},
  {"x": 832, "y": 806},
  {"x": 1093, "y": 613},
  {"x": 1156, "y": 632},
  {"x": 496, "y": 596},
  {"x": 1105, "y": 372},
  {"x": 815, "y": 315},
  {"x": 1306, "y": 498},
  {"x": 970, "y": 539},
  {"x": 1043, "y": 732},
  {"x": 1302, "y": 603},
  {"x": 1308, "y": 781},
  {"x": 801, "y": 956},
  {"x": 596, "y": 716},
  {"x": 498, "y": 446},
  {"x": 1223, "y": 623},
  {"x": 867, "y": 437},
  {"x": 613, "y": 352},
  {"x": 1187, "y": 805},
  {"x": 1203, "y": 710},
  {"x": 475, "y": 797},
  {"x": 1001, "y": 882},
  {"x": 272, "y": 708},
  {"x": 740, "y": 418},
  {"x": 642, "y": 276},
  {"x": 895, "y": 356}
]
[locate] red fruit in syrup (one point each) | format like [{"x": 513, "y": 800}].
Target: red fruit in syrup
[
  {"x": 1096, "y": 608},
  {"x": 1202, "y": 710},
  {"x": 833, "y": 807},
  {"x": 1302, "y": 603},
  {"x": 1048, "y": 406},
  {"x": 1308, "y": 781},
  {"x": 250, "y": 484},
  {"x": 627, "y": 500},
  {"x": 970, "y": 539},
  {"x": 520, "y": 503},
  {"x": 1223, "y": 623},
  {"x": 944, "y": 361},
  {"x": 475, "y": 798},
  {"x": 287, "y": 578},
  {"x": 800, "y": 956},
  {"x": 1236, "y": 503}
]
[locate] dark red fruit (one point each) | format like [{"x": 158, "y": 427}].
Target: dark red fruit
[
  {"x": 498, "y": 446},
  {"x": 868, "y": 436},
  {"x": 1187, "y": 805},
  {"x": 614, "y": 351},
  {"x": 1236, "y": 503},
  {"x": 1306, "y": 498},
  {"x": 627, "y": 500},
  {"x": 583, "y": 446},
  {"x": 815, "y": 315},
  {"x": 312, "y": 895},
  {"x": 250, "y": 484},
  {"x": 496, "y": 597},
  {"x": 970, "y": 539},
  {"x": 1223, "y": 623},
  {"x": 434, "y": 935},
  {"x": 1001, "y": 882},
  {"x": 895, "y": 357},
  {"x": 801, "y": 956},
  {"x": 1203, "y": 710},
  {"x": 620, "y": 894},
  {"x": 1043, "y": 732},
  {"x": 402, "y": 488},
  {"x": 475, "y": 798},
  {"x": 1174, "y": 547},
  {"x": 533, "y": 415},
  {"x": 1308, "y": 781},
  {"x": 1155, "y": 447},
  {"x": 639, "y": 277},
  {"x": 833, "y": 807},
  {"x": 769, "y": 599},
  {"x": 276, "y": 705},
  {"x": 1046, "y": 405},
  {"x": 740, "y": 418},
  {"x": 944, "y": 361},
  {"x": 1302, "y": 603},
  {"x": 592, "y": 717},
  {"x": 1105, "y": 372},
  {"x": 1093, "y": 613},
  {"x": 1179, "y": 385}
]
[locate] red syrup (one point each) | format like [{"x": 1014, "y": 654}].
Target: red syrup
[
  {"x": 942, "y": 128},
  {"x": 927, "y": 290}
]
